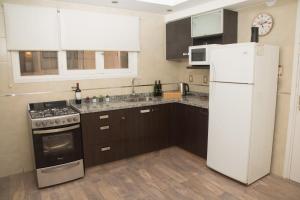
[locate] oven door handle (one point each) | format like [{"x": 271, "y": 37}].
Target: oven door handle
[{"x": 57, "y": 130}]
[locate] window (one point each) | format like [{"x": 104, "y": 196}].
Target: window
[
  {"x": 81, "y": 60},
  {"x": 38, "y": 66},
  {"x": 115, "y": 60},
  {"x": 38, "y": 63}
]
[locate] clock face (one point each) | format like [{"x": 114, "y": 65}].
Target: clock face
[{"x": 264, "y": 22}]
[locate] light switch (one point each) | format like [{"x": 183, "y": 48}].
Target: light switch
[
  {"x": 205, "y": 79},
  {"x": 191, "y": 78}
]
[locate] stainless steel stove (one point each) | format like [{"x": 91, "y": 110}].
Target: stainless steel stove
[{"x": 57, "y": 141}]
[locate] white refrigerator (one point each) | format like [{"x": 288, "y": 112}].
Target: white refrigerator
[{"x": 243, "y": 87}]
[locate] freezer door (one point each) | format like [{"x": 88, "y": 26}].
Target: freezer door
[
  {"x": 229, "y": 129},
  {"x": 233, "y": 63}
]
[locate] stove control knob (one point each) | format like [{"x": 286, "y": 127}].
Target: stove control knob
[
  {"x": 44, "y": 123},
  {"x": 69, "y": 120},
  {"x": 57, "y": 121},
  {"x": 51, "y": 122},
  {"x": 38, "y": 124},
  {"x": 75, "y": 119}
]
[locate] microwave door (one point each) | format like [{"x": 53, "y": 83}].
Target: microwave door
[{"x": 198, "y": 56}]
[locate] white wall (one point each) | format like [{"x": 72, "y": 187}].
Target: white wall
[{"x": 15, "y": 146}]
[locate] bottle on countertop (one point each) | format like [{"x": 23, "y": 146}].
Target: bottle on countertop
[
  {"x": 94, "y": 100},
  {"x": 155, "y": 92},
  {"x": 159, "y": 89},
  {"x": 107, "y": 98},
  {"x": 77, "y": 94}
]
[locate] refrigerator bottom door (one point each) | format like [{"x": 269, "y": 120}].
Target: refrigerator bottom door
[{"x": 229, "y": 129}]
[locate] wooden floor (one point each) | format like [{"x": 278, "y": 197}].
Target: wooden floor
[{"x": 169, "y": 174}]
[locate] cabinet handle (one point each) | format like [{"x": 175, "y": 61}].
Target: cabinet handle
[
  {"x": 105, "y": 149},
  {"x": 104, "y": 117},
  {"x": 185, "y": 54},
  {"x": 104, "y": 128},
  {"x": 145, "y": 111},
  {"x": 123, "y": 118}
]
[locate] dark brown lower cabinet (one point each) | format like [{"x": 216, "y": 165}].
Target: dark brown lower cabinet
[
  {"x": 109, "y": 151},
  {"x": 113, "y": 135}
]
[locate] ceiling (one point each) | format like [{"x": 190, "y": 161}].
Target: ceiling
[{"x": 143, "y": 6}]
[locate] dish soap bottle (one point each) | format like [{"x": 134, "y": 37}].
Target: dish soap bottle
[{"x": 77, "y": 94}]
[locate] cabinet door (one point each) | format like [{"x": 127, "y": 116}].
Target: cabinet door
[
  {"x": 193, "y": 132},
  {"x": 198, "y": 132},
  {"x": 178, "y": 126},
  {"x": 178, "y": 39},
  {"x": 129, "y": 125},
  {"x": 206, "y": 24},
  {"x": 161, "y": 126},
  {"x": 108, "y": 151},
  {"x": 146, "y": 129},
  {"x": 87, "y": 125}
]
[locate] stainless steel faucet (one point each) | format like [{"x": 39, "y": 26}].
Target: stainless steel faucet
[{"x": 132, "y": 86}]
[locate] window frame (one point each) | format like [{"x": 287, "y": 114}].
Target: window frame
[{"x": 65, "y": 74}]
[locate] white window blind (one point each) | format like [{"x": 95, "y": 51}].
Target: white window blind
[
  {"x": 81, "y": 30},
  {"x": 31, "y": 27}
]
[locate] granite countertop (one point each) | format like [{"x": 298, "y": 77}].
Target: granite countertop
[{"x": 194, "y": 100}]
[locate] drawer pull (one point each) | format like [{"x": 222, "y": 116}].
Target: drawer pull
[
  {"x": 145, "y": 111},
  {"x": 104, "y": 128},
  {"x": 104, "y": 116},
  {"x": 105, "y": 149}
]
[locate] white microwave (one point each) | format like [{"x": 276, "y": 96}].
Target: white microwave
[{"x": 200, "y": 55}]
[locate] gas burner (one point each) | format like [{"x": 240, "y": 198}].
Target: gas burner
[{"x": 51, "y": 114}]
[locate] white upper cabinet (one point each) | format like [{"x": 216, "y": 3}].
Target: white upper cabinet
[
  {"x": 82, "y": 30},
  {"x": 206, "y": 24},
  {"x": 31, "y": 27}
]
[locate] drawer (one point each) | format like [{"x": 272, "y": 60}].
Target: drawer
[
  {"x": 106, "y": 133},
  {"x": 107, "y": 152},
  {"x": 105, "y": 118}
]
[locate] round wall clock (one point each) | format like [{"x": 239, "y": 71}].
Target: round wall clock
[{"x": 264, "y": 22}]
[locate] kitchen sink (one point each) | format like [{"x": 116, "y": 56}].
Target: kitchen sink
[{"x": 138, "y": 99}]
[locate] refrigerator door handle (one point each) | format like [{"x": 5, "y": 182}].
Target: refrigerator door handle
[{"x": 213, "y": 72}]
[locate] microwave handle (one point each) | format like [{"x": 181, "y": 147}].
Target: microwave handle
[{"x": 185, "y": 54}]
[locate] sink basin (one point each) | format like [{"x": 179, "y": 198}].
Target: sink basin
[{"x": 138, "y": 99}]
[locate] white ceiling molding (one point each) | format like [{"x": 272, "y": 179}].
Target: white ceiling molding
[
  {"x": 165, "y": 2},
  {"x": 153, "y": 6},
  {"x": 212, "y": 5}
]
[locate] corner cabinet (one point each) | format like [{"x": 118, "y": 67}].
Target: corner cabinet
[
  {"x": 190, "y": 129},
  {"x": 178, "y": 39}
]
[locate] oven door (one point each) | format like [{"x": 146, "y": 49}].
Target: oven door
[
  {"x": 57, "y": 145},
  {"x": 198, "y": 56}
]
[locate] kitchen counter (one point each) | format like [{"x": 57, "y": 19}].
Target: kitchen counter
[{"x": 193, "y": 100}]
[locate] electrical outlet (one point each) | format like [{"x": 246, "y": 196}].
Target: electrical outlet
[
  {"x": 191, "y": 78},
  {"x": 280, "y": 70},
  {"x": 205, "y": 79}
]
